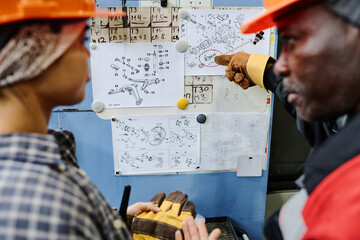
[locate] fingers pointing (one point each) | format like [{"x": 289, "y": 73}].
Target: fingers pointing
[{"x": 223, "y": 59}]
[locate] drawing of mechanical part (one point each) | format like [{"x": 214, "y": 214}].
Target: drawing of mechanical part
[
  {"x": 146, "y": 158},
  {"x": 159, "y": 46},
  {"x": 146, "y": 83},
  {"x": 209, "y": 57},
  {"x": 225, "y": 34},
  {"x": 180, "y": 160},
  {"x": 116, "y": 68},
  {"x": 157, "y": 135},
  {"x": 258, "y": 36},
  {"x": 222, "y": 17},
  {"x": 189, "y": 162},
  {"x": 189, "y": 136},
  {"x": 126, "y": 62},
  {"x": 164, "y": 64},
  {"x": 206, "y": 58},
  {"x": 146, "y": 66},
  {"x": 126, "y": 158},
  {"x": 239, "y": 21},
  {"x": 175, "y": 161},
  {"x": 128, "y": 143},
  {"x": 202, "y": 46},
  {"x": 179, "y": 123},
  {"x": 146, "y": 59},
  {"x": 192, "y": 65},
  {"x": 131, "y": 89},
  {"x": 158, "y": 162}
]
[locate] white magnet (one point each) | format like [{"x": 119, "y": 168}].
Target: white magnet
[
  {"x": 93, "y": 46},
  {"x": 183, "y": 14},
  {"x": 181, "y": 45},
  {"x": 97, "y": 106}
]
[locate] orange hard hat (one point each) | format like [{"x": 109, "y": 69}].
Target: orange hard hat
[
  {"x": 18, "y": 10},
  {"x": 274, "y": 9}
]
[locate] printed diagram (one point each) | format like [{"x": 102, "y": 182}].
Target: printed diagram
[
  {"x": 147, "y": 144},
  {"x": 137, "y": 75},
  {"x": 146, "y": 70},
  {"x": 210, "y": 33}
]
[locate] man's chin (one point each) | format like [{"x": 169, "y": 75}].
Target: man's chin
[{"x": 305, "y": 115}]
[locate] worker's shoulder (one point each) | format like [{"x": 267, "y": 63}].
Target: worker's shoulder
[{"x": 34, "y": 183}]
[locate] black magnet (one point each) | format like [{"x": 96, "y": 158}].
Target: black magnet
[
  {"x": 163, "y": 3},
  {"x": 201, "y": 118}
]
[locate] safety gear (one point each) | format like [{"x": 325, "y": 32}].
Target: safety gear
[
  {"x": 236, "y": 68},
  {"x": 33, "y": 49},
  {"x": 18, "y": 10},
  {"x": 162, "y": 225},
  {"x": 275, "y": 9},
  {"x": 245, "y": 69}
]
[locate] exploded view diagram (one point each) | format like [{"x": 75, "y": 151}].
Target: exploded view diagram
[
  {"x": 137, "y": 75},
  {"x": 147, "y": 144},
  {"x": 143, "y": 75},
  {"x": 210, "y": 33}
]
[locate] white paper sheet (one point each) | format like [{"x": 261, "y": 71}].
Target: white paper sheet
[
  {"x": 137, "y": 74},
  {"x": 214, "y": 32},
  {"x": 226, "y": 137},
  {"x": 249, "y": 166},
  {"x": 155, "y": 144}
]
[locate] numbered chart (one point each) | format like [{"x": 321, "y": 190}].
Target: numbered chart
[{"x": 144, "y": 24}]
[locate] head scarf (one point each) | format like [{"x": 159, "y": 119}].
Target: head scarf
[{"x": 33, "y": 49}]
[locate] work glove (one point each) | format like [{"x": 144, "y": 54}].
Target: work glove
[
  {"x": 175, "y": 208},
  {"x": 245, "y": 69}
]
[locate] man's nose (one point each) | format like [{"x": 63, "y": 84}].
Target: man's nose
[{"x": 281, "y": 67}]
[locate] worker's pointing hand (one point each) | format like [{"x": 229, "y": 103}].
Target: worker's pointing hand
[{"x": 236, "y": 68}]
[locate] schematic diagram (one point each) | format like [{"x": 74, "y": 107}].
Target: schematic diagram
[
  {"x": 137, "y": 75},
  {"x": 149, "y": 144},
  {"x": 212, "y": 32}
]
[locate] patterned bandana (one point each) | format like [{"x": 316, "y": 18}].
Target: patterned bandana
[{"x": 33, "y": 49}]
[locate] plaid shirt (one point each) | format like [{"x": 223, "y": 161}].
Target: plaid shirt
[{"x": 45, "y": 195}]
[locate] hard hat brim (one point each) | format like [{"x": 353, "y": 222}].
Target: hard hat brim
[
  {"x": 266, "y": 19},
  {"x": 58, "y": 15}
]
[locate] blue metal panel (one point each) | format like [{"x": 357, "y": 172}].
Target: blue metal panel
[{"x": 214, "y": 194}]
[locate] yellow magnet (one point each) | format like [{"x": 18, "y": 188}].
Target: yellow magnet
[{"x": 182, "y": 103}]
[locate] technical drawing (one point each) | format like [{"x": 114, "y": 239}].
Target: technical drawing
[
  {"x": 182, "y": 136},
  {"x": 146, "y": 82},
  {"x": 146, "y": 69},
  {"x": 131, "y": 89},
  {"x": 139, "y": 161},
  {"x": 210, "y": 33},
  {"x": 150, "y": 143},
  {"x": 158, "y": 135}
]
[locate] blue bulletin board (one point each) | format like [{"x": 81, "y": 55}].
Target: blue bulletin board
[{"x": 214, "y": 194}]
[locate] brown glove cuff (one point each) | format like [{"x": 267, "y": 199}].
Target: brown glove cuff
[{"x": 153, "y": 228}]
